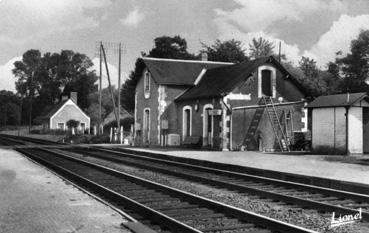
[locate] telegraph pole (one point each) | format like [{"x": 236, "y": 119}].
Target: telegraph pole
[
  {"x": 119, "y": 84},
  {"x": 100, "y": 89},
  {"x": 103, "y": 49},
  {"x": 111, "y": 91}
]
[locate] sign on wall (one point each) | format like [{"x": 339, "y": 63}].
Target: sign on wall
[{"x": 215, "y": 112}]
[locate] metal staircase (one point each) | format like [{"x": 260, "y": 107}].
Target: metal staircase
[{"x": 282, "y": 139}]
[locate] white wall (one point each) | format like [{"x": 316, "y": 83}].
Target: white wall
[
  {"x": 322, "y": 128},
  {"x": 340, "y": 129},
  {"x": 355, "y": 130},
  {"x": 329, "y": 130}
]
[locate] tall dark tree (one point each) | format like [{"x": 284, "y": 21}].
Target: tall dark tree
[
  {"x": 354, "y": 67},
  {"x": 226, "y": 51},
  {"x": 74, "y": 72},
  {"x": 320, "y": 83},
  {"x": 309, "y": 67},
  {"x": 44, "y": 77},
  {"x": 9, "y": 108},
  {"x": 170, "y": 47},
  {"x": 106, "y": 104},
  {"x": 27, "y": 71}
]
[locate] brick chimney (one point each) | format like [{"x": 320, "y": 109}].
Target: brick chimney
[
  {"x": 204, "y": 56},
  {"x": 73, "y": 97}
]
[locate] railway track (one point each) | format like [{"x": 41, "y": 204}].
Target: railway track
[
  {"x": 19, "y": 140},
  {"x": 291, "y": 193},
  {"x": 162, "y": 208},
  {"x": 303, "y": 195}
]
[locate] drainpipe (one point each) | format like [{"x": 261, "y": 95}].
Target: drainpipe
[{"x": 347, "y": 128}]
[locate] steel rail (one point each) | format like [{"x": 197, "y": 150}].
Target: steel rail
[
  {"x": 232, "y": 185},
  {"x": 242, "y": 215}
]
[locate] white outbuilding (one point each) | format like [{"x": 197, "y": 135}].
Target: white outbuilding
[{"x": 340, "y": 124}]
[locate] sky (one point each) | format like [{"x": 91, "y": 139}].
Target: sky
[{"x": 313, "y": 28}]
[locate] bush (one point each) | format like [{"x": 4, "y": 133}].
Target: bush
[{"x": 72, "y": 124}]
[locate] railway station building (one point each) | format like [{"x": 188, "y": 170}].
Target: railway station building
[{"x": 252, "y": 105}]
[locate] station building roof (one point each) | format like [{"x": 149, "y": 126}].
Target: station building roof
[
  {"x": 220, "y": 81},
  {"x": 178, "y": 72},
  {"x": 339, "y": 100}
]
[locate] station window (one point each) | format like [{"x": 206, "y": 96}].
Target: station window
[
  {"x": 266, "y": 81},
  {"x": 147, "y": 84},
  {"x": 187, "y": 122},
  {"x": 60, "y": 125}
]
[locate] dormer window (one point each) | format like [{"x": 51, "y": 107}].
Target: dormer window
[
  {"x": 147, "y": 84},
  {"x": 267, "y": 81}
]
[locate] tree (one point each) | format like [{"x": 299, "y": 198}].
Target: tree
[
  {"x": 72, "y": 123},
  {"x": 74, "y": 73},
  {"x": 27, "y": 71},
  {"x": 321, "y": 83},
  {"x": 9, "y": 108},
  {"x": 354, "y": 67},
  {"x": 226, "y": 51},
  {"x": 127, "y": 94},
  {"x": 170, "y": 47},
  {"x": 44, "y": 77},
  {"x": 106, "y": 104},
  {"x": 261, "y": 48},
  {"x": 308, "y": 66}
]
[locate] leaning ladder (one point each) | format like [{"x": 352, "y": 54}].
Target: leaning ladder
[{"x": 276, "y": 124}]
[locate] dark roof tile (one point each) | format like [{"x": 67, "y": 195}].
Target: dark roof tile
[
  {"x": 222, "y": 80},
  {"x": 339, "y": 100},
  {"x": 178, "y": 72}
]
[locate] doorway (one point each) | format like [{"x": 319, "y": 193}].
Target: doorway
[
  {"x": 146, "y": 126},
  {"x": 207, "y": 126}
]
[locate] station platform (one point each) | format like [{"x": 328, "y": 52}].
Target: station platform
[
  {"x": 320, "y": 166},
  {"x": 32, "y": 199}
]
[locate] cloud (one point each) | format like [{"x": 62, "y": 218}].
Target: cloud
[
  {"x": 133, "y": 18},
  {"x": 291, "y": 51},
  {"x": 247, "y": 22},
  {"x": 113, "y": 73},
  {"x": 338, "y": 38},
  {"x": 255, "y": 15},
  {"x": 23, "y": 20},
  {"x": 7, "y": 79}
]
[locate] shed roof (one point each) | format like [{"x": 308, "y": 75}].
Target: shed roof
[
  {"x": 339, "y": 100},
  {"x": 222, "y": 80},
  {"x": 178, "y": 72},
  {"x": 111, "y": 116}
]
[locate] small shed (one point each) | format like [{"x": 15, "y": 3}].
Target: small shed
[
  {"x": 340, "y": 123},
  {"x": 111, "y": 116}
]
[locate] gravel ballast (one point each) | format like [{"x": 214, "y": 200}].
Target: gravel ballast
[{"x": 310, "y": 219}]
